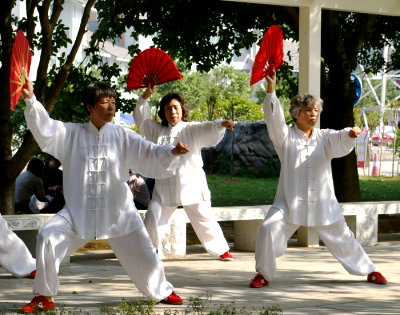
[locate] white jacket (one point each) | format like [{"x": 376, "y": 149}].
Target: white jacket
[
  {"x": 305, "y": 191},
  {"x": 189, "y": 185},
  {"x": 95, "y": 167}
]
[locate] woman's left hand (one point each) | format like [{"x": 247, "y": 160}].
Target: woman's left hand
[
  {"x": 354, "y": 132},
  {"x": 180, "y": 149}
]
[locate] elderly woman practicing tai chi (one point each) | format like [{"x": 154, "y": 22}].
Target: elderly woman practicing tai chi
[
  {"x": 98, "y": 202},
  {"x": 305, "y": 194},
  {"x": 188, "y": 187}
]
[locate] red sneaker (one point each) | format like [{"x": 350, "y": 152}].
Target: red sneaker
[
  {"x": 227, "y": 256},
  {"x": 258, "y": 282},
  {"x": 173, "y": 299},
  {"x": 377, "y": 278},
  {"x": 33, "y": 274},
  {"x": 38, "y": 303}
]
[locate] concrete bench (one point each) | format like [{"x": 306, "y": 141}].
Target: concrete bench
[
  {"x": 361, "y": 217},
  {"x": 27, "y": 227}
]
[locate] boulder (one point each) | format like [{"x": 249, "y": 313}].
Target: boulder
[{"x": 253, "y": 152}]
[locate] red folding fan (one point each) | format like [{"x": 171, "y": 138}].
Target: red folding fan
[
  {"x": 152, "y": 66},
  {"x": 270, "y": 54},
  {"x": 20, "y": 65}
]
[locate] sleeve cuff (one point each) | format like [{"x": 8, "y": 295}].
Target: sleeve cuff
[{"x": 30, "y": 101}]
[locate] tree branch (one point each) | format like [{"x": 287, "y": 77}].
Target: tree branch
[{"x": 62, "y": 75}]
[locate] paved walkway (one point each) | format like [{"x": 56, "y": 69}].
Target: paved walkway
[{"x": 309, "y": 281}]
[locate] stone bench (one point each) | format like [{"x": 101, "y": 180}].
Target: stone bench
[
  {"x": 361, "y": 217},
  {"x": 27, "y": 227}
]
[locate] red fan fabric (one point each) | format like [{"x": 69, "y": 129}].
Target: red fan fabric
[
  {"x": 152, "y": 66},
  {"x": 21, "y": 58},
  {"x": 269, "y": 56}
]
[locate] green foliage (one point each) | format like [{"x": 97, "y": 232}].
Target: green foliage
[
  {"x": 69, "y": 107},
  {"x": 196, "y": 305},
  {"x": 211, "y": 95},
  {"x": 385, "y": 32},
  {"x": 236, "y": 108},
  {"x": 204, "y": 33},
  {"x": 130, "y": 308}
]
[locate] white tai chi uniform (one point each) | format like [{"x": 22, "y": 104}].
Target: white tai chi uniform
[
  {"x": 14, "y": 255},
  {"x": 188, "y": 187},
  {"x": 98, "y": 200},
  {"x": 305, "y": 194}
]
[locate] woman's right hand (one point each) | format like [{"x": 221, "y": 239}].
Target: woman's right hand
[{"x": 149, "y": 92}]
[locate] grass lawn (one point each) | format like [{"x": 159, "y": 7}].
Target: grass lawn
[{"x": 242, "y": 191}]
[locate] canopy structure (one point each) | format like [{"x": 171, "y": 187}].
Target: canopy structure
[{"x": 310, "y": 30}]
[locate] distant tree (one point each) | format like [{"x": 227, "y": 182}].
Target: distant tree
[
  {"x": 50, "y": 79},
  {"x": 208, "y": 93}
]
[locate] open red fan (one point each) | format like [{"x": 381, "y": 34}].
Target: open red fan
[
  {"x": 21, "y": 58},
  {"x": 270, "y": 54},
  {"x": 152, "y": 66}
]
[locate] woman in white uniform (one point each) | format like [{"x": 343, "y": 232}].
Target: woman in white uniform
[
  {"x": 14, "y": 255},
  {"x": 188, "y": 187},
  {"x": 95, "y": 158},
  {"x": 305, "y": 194}
]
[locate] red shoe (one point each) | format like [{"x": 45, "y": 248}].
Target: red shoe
[
  {"x": 33, "y": 274},
  {"x": 227, "y": 256},
  {"x": 377, "y": 278},
  {"x": 38, "y": 303},
  {"x": 173, "y": 299},
  {"x": 258, "y": 282}
]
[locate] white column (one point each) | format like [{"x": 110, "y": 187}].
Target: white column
[
  {"x": 309, "y": 78},
  {"x": 310, "y": 49}
]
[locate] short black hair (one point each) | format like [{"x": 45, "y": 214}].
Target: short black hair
[
  {"x": 165, "y": 101},
  {"x": 36, "y": 167},
  {"x": 94, "y": 91}
]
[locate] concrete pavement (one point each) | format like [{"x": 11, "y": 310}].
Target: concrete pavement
[{"x": 309, "y": 281}]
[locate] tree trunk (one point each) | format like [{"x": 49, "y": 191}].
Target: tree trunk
[
  {"x": 338, "y": 95},
  {"x": 7, "y": 197},
  {"x": 345, "y": 178}
]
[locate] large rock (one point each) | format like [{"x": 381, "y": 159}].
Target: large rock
[{"x": 253, "y": 151}]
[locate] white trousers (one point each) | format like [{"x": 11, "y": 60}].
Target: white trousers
[
  {"x": 275, "y": 231},
  {"x": 202, "y": 219},
  {"x": 14, "y": 255},
  {"x": 134, "y": 251}
]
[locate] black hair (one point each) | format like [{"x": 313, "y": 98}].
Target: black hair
[
  {"x": 52, "y": 158},
  {"x": 94, "y": 91},
  {"x": 36, "y": 167},
  {"x": 165, "y": 101}
]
